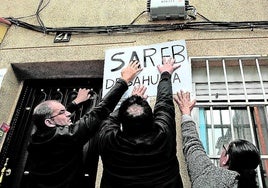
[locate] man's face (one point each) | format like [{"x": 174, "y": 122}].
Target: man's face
[{"x": 60, "y": 116}]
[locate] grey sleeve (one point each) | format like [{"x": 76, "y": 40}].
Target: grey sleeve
[{"x": 197, "y": 160}]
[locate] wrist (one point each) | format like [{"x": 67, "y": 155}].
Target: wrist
[
  {"x": 185, "y": 118},
  {"x": 186, "y": 112},
  {"x": 126, "y": 80},
  {"x": 165, "y": 75}
]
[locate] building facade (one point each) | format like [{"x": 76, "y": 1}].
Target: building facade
[{"x": 227, "y": 45}]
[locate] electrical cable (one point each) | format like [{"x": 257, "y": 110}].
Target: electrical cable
[
  {"x": 203, "y": 17},
  {"x": 145, "y": 28},
  {"x": 207, "y": 25},
  {"x": 138, "y": 16},
  {"x": 37, "y": 15},
  {"x": 39, "y": 9}
]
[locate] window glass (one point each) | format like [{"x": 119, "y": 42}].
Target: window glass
[{"x": 219, "y": 131}]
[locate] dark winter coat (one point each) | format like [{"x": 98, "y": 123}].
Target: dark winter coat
[
  {"x": 147, "y": 160},
  {"x": 55, "y": 155}
]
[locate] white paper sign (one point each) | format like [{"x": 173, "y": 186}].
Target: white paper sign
[{"x": 149, "y": 56}]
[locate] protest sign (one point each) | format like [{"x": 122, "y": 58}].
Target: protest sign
[{"x": 149, "y": 56}]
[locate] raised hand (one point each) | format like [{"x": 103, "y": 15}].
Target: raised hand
[
  {"x": 168, "y": 65},
  {"x": 184, "y": 102},
  {"x": 129, "y": 72},
  {"x": 82, "y": 95},
  {"x": 140, "y": 91}
]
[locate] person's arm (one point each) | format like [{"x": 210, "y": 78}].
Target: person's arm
[
  {"x": 198, "y": 162},
  {"x": 128, "y": 73},
  {"x": 93, "y": 118},
  {"x": 164, "y": 110}
]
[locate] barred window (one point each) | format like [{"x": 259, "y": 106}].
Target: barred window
[{"x": 231, "y": 94}]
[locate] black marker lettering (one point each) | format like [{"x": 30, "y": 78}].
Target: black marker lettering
[
  {"x": 147, "y": 55},
  {"x": 180, "y": 49},
  {"x": 120, "y": 60}
]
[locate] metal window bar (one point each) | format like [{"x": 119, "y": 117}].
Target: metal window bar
[
  {"x": 246, "y": 97},
  {"x": 263, "y": 93},
  {"x": 261, "y": 81},
  {"x": 249, "y": 114},
  {"x": 211, "y": 108},
  {"x": 243, "y": 79},
  {"x": 249, "y": 86},
  {"x": 231, "y": 101},
  {"x": 228, "y": 98}
]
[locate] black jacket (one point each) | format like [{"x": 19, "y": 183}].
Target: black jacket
[
  {"x": 146, "y": 160},
  {"x": 55, "y": 155}
]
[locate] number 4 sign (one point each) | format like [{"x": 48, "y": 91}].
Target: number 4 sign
[{"x": 62, "y": 37}]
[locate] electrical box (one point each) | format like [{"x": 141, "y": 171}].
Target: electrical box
[{"x": 166, "y": 9}]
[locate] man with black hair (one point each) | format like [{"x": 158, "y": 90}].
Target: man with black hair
[{"x": 138, "y": 146}]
